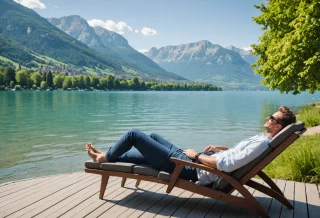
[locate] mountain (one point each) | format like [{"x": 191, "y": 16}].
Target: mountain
[
  {"x": 26, "y": 28},
  {"x": 206, "y": 62},
  {"x": 111, "y": 45},
  {"x": 245, "y": 54}
]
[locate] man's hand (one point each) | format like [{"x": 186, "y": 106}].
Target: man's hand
[
  {"x": 215, "y": 148},
  {"x": 191, "y": 153}
]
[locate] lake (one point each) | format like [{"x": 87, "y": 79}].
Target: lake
[{"x": 45, "y": 133}]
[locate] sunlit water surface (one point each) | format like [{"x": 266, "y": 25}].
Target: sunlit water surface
[{"x": 44, "y": 133}]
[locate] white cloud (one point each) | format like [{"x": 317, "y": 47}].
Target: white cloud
[
  {"x": 143, "y": 50},
  {"x": 136, "y": 31},
  {"x": 247, "y": 48},
  {"x": 148, "y": 31},
  {"x": 31, "y": 3},
  {"x": 119, "y": 27}
]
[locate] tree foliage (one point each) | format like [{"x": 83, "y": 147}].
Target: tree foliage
[
  {"x": 289, "y": 48},
  {"x": 22, "y": 77},
  {"x": 36, "y": 78}
]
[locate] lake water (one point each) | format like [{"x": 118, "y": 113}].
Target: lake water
[{"x": 43, "y": 133}]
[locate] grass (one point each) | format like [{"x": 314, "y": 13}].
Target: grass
[
  {"x": 301, "y": 161},
  {"x": 310, "y": 114}
]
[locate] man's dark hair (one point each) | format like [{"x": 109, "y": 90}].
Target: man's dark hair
[{"x": 287, "y": 118}]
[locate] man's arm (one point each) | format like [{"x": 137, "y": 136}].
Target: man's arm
[
  {"x": 216, "y": 148},
  {"x": 209, "y": 161}
]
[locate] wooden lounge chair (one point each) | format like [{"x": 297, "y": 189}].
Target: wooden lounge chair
[{"x": 221, "y": 191}]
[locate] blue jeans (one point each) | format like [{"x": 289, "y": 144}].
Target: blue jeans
[{"x": 149, "y": 149}]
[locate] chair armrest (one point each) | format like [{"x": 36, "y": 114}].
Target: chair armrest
[
  {"x": 200, "y": 166},
  {"x": 182, "y": 163}
]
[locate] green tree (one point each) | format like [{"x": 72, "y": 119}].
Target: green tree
[
  {"x": 81, "y": 83},
  {"x": 110, "y": 80},
  {"x": 75, "y": 82},
  {"x": 124, "y": 84},
  {"x": 116, "y": 83},
  {"x": 1, "y": 78},
  {"x": 43, "y": 85},
  {"x": 87, "y": 82},
  {"x": 94, "y": 81},
  {"x": 36, "y": 78},
  {"x": 9, "y": 75},
  {"x": 58, "y": 81},
  {"x": 44, "y": 76},
  {"x": 288, "y": 50},
  {"x": 49, "y": 79},
  {"x": 11, "y": 84},
  {"x": 134, "y": 83},
  {"x": 22, "y": 77},
  {"x": 103, "y": 83},
  {"x": 67, "y": 82}
]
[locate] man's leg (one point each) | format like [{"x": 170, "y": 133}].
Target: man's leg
[
  {"x": 155, "y": 154},
  {"x": 164, "y": 142}
]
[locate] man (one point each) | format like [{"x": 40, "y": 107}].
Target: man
[{"x": 156, "y": 151}]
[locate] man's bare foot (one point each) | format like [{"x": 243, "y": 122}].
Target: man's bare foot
[
  {"x": 97, "y": 157},
  {"x": 90, "y": 146}
]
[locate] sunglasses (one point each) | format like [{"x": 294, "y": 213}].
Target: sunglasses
[{"x": 272, "y": 118}]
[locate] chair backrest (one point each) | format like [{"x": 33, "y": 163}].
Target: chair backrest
[{"x": 277, "y": 141}]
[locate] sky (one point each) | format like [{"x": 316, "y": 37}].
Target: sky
[{"x": 157, "y": 23}]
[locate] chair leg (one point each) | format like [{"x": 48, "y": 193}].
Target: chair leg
[
  {"x": 103, "y": 186},
  {"x": 270, "y": 192},
  {"x": 137, "y": 182},
  {"x": 269, "y": 181},
  {"x": 124, "y": 179}
]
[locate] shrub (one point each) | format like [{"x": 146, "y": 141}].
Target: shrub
[
  {"x": 34, "y": 86},
  {"x": 300, "y": 162},
  {"x": 17, "y": 87},
  {"x": 43, "y": 85},
  {"x": 12, "y": 83},
  {"x": 310, "y": 115}
]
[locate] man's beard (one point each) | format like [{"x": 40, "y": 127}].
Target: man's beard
[{"x": 267, "y": 129}]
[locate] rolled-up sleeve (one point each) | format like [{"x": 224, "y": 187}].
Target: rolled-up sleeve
[{"x": 241, "y": 155}]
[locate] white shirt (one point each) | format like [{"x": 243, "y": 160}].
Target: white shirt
[{"x": 236, "y": 157}]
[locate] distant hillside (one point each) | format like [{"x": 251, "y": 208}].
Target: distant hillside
[
  {"x": 206, "y": 62},
  {"x": 245, "y": 54},
  {"x": 27, "y": 28},
  {"x": 112, "y": 46}
]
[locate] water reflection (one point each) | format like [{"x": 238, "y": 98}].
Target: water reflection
[{"x": 45, "y": 132}]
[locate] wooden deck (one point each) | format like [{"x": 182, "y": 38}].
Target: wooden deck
[{"x": 76, "y": 195}]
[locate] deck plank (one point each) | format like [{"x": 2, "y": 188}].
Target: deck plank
[
  {"x": 275, "y": 208},
  {"x": 156, "y": 197},
  {"x": 129, "y": 193},
  {"x": 146, "y": 196},
  {"x": 13, "y": 187},
  {"x": 300, "y": 201},
  {"x": 289, "y": 194},
  {"x": 70, "y": 203},
  {"x": 19, "y": 203},
  {"x": 94, "y": 202},
  {"x": 188, "y": 206},
  {"x": 22, "y": 188},
  {"x": 313, "y": 200},
  {"x": 77, "y": 195},
  {"x": 53, "y": 202},
  {"x": 174, "y": 205},
  {"x": 157, "y": 208}
]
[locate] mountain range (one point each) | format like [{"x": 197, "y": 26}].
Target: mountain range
[
  {"x": 111, "y": 45},
  {"x": 29, "y": 39},
  {"x": 206, "y": 62}
]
